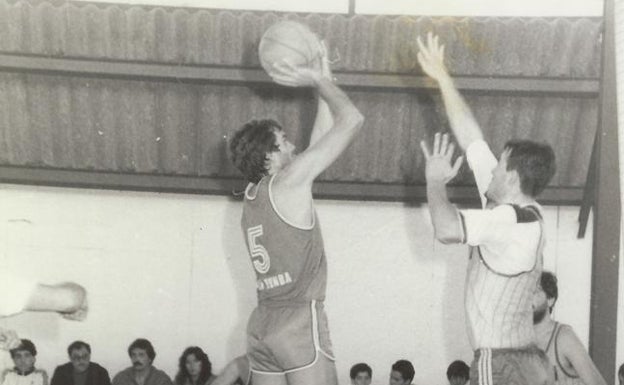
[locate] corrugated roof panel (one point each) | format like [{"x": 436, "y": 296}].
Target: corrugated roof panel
[
  {"x": 492, "y": 46},
  {"x": 182, "y": 128}
]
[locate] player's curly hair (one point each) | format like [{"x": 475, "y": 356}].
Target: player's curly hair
[
  {"x": 183, "y": 376},
  {"x": 251, "y": 144},
  {"x": 548, "y": 282},
  {"x": 534, "y": 162}
]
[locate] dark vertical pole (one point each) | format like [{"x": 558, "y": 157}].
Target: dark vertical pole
[{"x": 606, "y": 250}]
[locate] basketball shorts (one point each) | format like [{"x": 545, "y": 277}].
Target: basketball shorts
[
  {"x": 284, "y": 339},
  {"x": 522, "y": 366}
]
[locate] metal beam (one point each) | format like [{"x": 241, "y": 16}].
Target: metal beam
[
  {"x": 606, "y": 249},
  {"x": 214, "y": 74},
  {"x": 229, "y": 186}
]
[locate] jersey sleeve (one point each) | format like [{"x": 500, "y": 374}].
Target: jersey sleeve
[
  {"x": 481, "y": 161},
  {"x": 508, "y": 241}
]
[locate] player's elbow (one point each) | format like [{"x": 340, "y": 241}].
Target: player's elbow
[
  {"x": 72, "y": 295},
  {"x": 351, "y": 117}
]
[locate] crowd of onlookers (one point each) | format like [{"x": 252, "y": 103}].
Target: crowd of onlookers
[
  {"x": 402, "y": 373},
  {"x": 194, "y": 368}
]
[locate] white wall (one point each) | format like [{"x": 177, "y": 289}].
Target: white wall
[
  {"x": 173, "y": 268},
  {"x": 572, "y": 8}
]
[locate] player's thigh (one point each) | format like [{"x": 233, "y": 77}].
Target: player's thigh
[
  {"x": 268, "y": 379},
  {"x": 322, "y": 372}
]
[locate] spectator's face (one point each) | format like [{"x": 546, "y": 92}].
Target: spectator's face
[
  {"x": 362, "y": 378},
  {"x": 140, "y": 359},
  {"x": 24, "y": 360},
  {"x": 457, "y": 380},
  {"x": 540, "y": 305},
  {"x": 193, "y": 365},
  {"x": 80, "y": 359},
  {"x": 396, "y": 378}
]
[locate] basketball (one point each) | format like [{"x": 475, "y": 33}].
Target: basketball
[{"x": 290, "y": 41}]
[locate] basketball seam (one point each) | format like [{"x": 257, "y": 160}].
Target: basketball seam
[
  {"x": 287, "y": 46},
  {"x": 304, "y": 35}
]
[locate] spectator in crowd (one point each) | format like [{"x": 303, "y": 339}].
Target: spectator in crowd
[
  {"x": 142, "y": 371},
  {"x": 458, "y": 373},
  {"x": 194, "y": 368},
  {"x": 24, "y": 373},
  {"x": 402, "y": 373},
  {"x": 80, "y": 370},
  {"x": 361, "y": 374}
]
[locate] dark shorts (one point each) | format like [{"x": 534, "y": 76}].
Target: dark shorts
[
  {"x": 287, "y": 338},
  {"x": 522, "y": 366}
]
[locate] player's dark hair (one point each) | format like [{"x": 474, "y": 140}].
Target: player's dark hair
[
  {"x": 534, "y": 162},
  {"x": 405, "y": 368},
  {"x": 183, "y": 376},
  {"x": 358, "y": 368},
  {"x": 77, "y": 345},
  {"x": 142, "y": 343},
  {"x": 621, "y": 371},
  {"x": 25, "y": 345},
  {"x": 457, "y": 369},
  {"x": 250, "y": 146},
  {"x": 548, "y": 282}
]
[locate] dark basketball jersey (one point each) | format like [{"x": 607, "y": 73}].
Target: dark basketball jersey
[{"x": 289, "y": 260}]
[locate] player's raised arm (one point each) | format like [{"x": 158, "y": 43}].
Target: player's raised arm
[
  {"x": 323, "y": 121},
  {"x": 347, "y": 121},
  {"x": 463, "y": 123},
  {"x": 68, "y": 299},
  {"x": 575, "y": 353},
  {"x": 439, "y": 171}
]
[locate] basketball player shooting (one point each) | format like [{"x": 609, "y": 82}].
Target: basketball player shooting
[
  {"x": 287, "y": 334},
  {"x": 506, "y": 238}
]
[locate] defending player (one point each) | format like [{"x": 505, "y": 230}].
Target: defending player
[
  {"x": 507, "y": 238},
  {"x": 287, "y": 334}
]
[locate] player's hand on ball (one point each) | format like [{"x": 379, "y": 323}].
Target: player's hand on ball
[
  {"x": 8, "y": 339},
  {"x": 286, "y": 74},
  {"x": 439, "y": 168},
  {"x": 431, "y": 57}
]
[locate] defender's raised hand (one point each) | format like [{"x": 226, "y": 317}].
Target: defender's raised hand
[
  {"x": 439, "y": 168},
  {"x": 431, "y": 57}
]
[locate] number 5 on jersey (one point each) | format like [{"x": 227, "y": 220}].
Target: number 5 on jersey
[{"x": 259, "y": 254}]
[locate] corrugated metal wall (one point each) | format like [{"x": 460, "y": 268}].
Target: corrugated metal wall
[{"x": 175, "y": 127}]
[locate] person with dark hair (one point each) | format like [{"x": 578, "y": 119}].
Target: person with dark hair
[
  {"x": 570, "y": 362},
  {"x": 402, "y": 373},
  {"x": 458, "y": 373},
  {"x": 283, "y": 236},
  {"x": 80, "y": 370},
  {"x": 621, "y": 374},
  {"x": 506, "y": 236},
  {"x": 142, "y": 371},
  {"x": 361, "y": 374},
  {"x": 194, "y": 368},
  {"x": 24, "y": 373}
]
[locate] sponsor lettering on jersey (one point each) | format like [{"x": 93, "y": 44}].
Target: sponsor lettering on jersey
[{"x": 274, "y": 281}]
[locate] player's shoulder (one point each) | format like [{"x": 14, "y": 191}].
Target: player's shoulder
[
  {"x": 567, "y": 338},
  {"x": 516, "y": 213}
]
